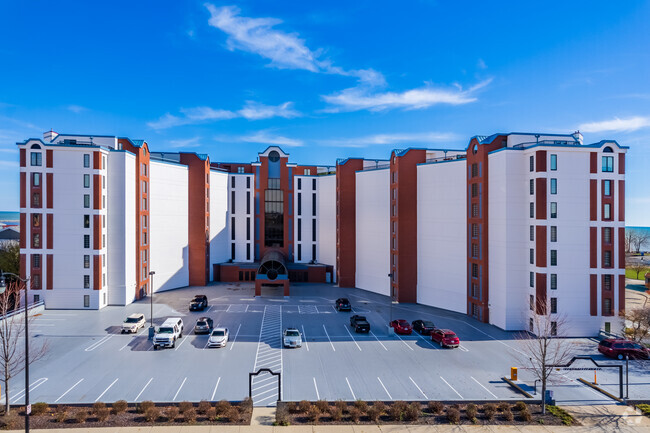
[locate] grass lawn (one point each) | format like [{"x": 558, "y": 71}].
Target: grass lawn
[{"x": 629, "y": 273}]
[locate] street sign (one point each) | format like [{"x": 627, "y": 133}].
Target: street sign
[
  {"x": 579, "y": 368},
  {"x": 28, "y": 410}
]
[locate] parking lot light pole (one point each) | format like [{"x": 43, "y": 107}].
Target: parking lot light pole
[
  {"x": 152, "y": 330},
  {"x": 3, "y": 287}
]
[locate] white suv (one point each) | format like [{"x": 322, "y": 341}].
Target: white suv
[
  {"x": 133, "y": 323},
  {"x": 168, "y": 333}
]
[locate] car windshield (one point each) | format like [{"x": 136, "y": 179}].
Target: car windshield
[
  {"x": 450, "y": 335},
  {"x": 165, "y": 330},
  {"x": 200, "y": 323},
  {"x": 293, "y": 334},
  {"x": 403, "y": 322},
  {"x": 606, "y": 343},
  {"x": 218, "y": 333},
  {"x": 427, "y": 324},
  {"x": 344, "y": 301},
  {"x": 132, "y": 320}
]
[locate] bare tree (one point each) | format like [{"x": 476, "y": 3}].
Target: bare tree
[
  {"x": 639, "y": 240},
  {"x": 544, "y": 347},
  {"x": 637, "y": 324},
  {"x": 629, "y": 240},
  {"x": 635, "y": 265},
  {"x": 12, "y": 339}
]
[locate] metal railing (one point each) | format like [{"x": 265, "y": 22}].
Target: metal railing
[
  {"x": 20, "y": 310},
  {"x": 447, "y": 158}
]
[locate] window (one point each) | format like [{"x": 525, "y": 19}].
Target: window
[
  {"x": 144, "y": 203},
  {"x": 104, "y": 162},
  {"x": 103, "y": 202},
  {"x": 299, "y": 204},
  {"x": 532, "y": 209},
  {"x": 607, "y": 235},
  {"x": 144, "y": 186},
  {"x": 232, "y": 228},
  {"x": 144, "y": 169},
  {"x": 36, "y": 281},
  {"x": 313, "y": 230},
  {"x": 531, "y": 277},
  {"x": 553, "y": 162},
  {"x": 553, "y": 305},
  {"x": 532, "y": 256},
  {"x": 103, "y": 221},
  {"x": 104, "y": 240},
  {"x": 299, "y": 252},
  {"x": 144, "y": 238},
  {"x": 37, "y": 298},
  {"x": 86, "y": 241},
  {"x": 248, "y": 251},
  {"x": 36, "y": 220},
  {"x": 475, "y": 251},
  {"x": 607, "y": 282},
  {"x": 36, "y": 179},
  {"x": 299, "y": 229},
  {"x": 86, "y": 301},
  {"x": 313, "y": 204},
  {"x": 532, "y": 233},
  {"x": 86, "y": 181},
  {"x": 474, "y": 170},
  {"x": 474, "y": 230},
  {"x": 240, "y": 169},
  {"x": 248, "y": 182},
  {"x": 306, "y": 172},
  {"x": 474, "y": 270},
  {"x": 608, "y": 164},
  {"x": 554, "y": 329},
  {"x": 530, "y": 324},
  {"x": 86, "y": 281},
  {"x": 475, "y": 293},
  {"x": 313, "y": 252},
  {"x": 607, "y": 188},
  {"x": 531, "y": 162},
  {"x": 86, "y": 160},
  {"x": 248, "y": 228},
  {"x": 313, "y": 184},
  {"x": 475, "y": 190},
  {"x": 232, "y": 251},
  {"x": 474, "y": 210},
  {"x": 86, "y": 221},
  {"x": 607, "y": 211},
  {"x": 531, "y": 301},
  {"x": 36, "y": 240},
  {"x": 531, "y": 186},
  {"x": 36, "y": 261},
  {"x": 144, "y": 221},
  {"x": 553, "y": 186},
  {"x": 232, "y": 202},
  {"x": 553, "y": 209},
  {"x": 553, "y": 257},
  {"x": 36, "y": 199},
  {"x": 86, "y": 201},
  {"x": 36, "y": 159},
  {"x": 232, "y": 181},
  {"x": 607, "y": 259},
  {"x": 607, "y": 307},
  {"x": 86, "y": 261},
  {"x": 553, "y": 233},
  {"x": 553, "y": 281},
  {"x": 248, "y": 201},
  {"x": 299, "y": 183}
]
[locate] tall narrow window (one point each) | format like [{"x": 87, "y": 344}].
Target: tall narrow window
[
  {"x": 532, "y": 209},
  {"x": 232, "y": 201},
  {"x": 607, "y": 211},
  {"x": 553, "y": 305},
  {"x": 475, "y": 190},
  {"x": 607, "y": 282},
  {"x": 608, "y": 164},
  {"x": 313, "y": 230},
  {"x": 531, "y": 186},
  {"x": 232, "y": 182},
  {"x": 313, "y": 204},
  {"x": 36, "y": 261},
  {"x": 607, "y": 235},
  {"x": 86, "y": 261},
  {"x": 474, "y": 270},
  {"x": 248, "y": 251},
  {"x": 36, "y": 240},
  {"x": 607, "y": 259},
  {"x": 475, "y": 251},
  {"x": 474, "y": 230},
  {"x": 36, "y": 220},
  {"x": 531, "y": 302},
  {"x": 240, "y": 169},
  {"x": 248, "y": 228},
  {"x": 86, "y": 241},
  {"x": 232, "y": 251},
  {"x": 553, "y": 186},
  {"x": 86, "y": 160},
  {"x": 86, "y": 301},
  {"x": 36, "y": 179},
  {"x": 532, "y": 256},
  {"x": 86, "y": 201},
  {"x": 553, "y": 162},
  {"x": 232, "y": 228},
  {"x": 607, "y": 307},
  {"x": 248, "y": 201},
  {"x": 299, "y": 183},
  {"x": 86, "y": 181},
  {"x": 474, "y": 210},
  {"x": 299, "y": 252},
  {"x": 554, "y": 329},
  {"x": 607, "y": 188},
  {"x": 86, "y": 281},
  {"x": 553, "y": 257},
  {"x": 531, "y": 163},
  {"x": 553, "y": 209},
  {"x": 299, "y": 203},
  {"x": 299, "y": 229},
  {"x": 553, "y": 233},
  {"x": 86, "y": 221},
  {"x": 36, "y": 159},
  {"x": 553, "y": 281},
  {"x": 36, "y": 199},
  {"x": 531, "y": 278},
  {"x": 313, "y": 252},
  {"x": 532, "y": 233},
  {"x": 474, "y": 170},
  {"x": 248, "y": 182}
]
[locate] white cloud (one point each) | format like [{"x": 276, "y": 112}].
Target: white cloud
[
  {"x": 404, "y": 138},
  {"x": 264, "y": 137},
  {"x": 251, "y": 111},
  {"x": 367, "y": 98},
  {"x": 76, "y": 108},
  {"x": 616, "y": 125},
  {"x": 185, "y": 143},
  {"x": 481, "y": 64}
]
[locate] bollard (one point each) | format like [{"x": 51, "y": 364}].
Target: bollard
[
  {"x": 513, "y": 373},
  {"x": 595, "y": 378}
]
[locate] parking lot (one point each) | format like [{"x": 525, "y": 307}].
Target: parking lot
[{"x": 90, "y": 360}]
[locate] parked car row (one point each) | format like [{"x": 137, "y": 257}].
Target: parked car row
[{"x": 620, "y": 349}]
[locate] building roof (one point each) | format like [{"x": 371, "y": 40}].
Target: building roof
[{"x": 9, "y": 233}]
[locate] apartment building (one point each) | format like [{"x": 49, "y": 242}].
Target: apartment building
[{"x": 514, "y": 224}]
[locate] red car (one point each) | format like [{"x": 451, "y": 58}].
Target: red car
[
  {"x": 445, "y": 338},
  {"x": 618, "y": 348},
  {"x": 401, "y": 326}
]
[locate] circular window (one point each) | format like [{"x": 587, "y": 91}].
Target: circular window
[
  {"x": 475, "y": 148},
  {"x": 274, "y": 156}
]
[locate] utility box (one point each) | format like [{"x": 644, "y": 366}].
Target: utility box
[{"x": 513, "y": 373}]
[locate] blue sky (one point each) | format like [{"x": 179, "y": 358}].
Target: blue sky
[{"x": 326, "y": 80}]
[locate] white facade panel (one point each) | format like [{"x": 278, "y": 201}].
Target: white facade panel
[
  {"x": 306, "y": 217},
  {"x": 373, "y": 231},
  {"x": 442, "y": 235},
  {"x": 326, "y": 208},
  {"x": 219, "y": 236},
  {"x": 241, "y": 213}
]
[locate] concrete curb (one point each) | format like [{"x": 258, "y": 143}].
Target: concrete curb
[
  {"x": 516, "y": 387},
  {"x": 599, "y": 389}
]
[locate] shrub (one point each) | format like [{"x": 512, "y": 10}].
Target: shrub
[
  {"x": 98, "y": 405},
  {"x": 453, "y": 415},
  {"x": 61, "y": 413},
  {"x": 10, "y": 422},
  {"x": 341, "y": 405},
  {"x": 412, "y": 412},
  {"x": 246, "y": 403},
  {"x": 489, "y": 412},
  {"x": 526, "y": 416},
  {"x": 152, "y": 414},
  {"x": 322, "y": 405},
  {"x": 145, "y": 406},
  {"x": 120, "y": 406},
  {"x": 102, "y": 414},
  {"x": 490, "y": 406},
  {"x": 361, "y": 405},
  {"x": 211, "y": 414},
  {"x": 222, "y": 407},
  {"x": 282, "y": 415},
  {"x": 184, "y": 406},
  {"x": 521, "y": 406},
  {"x": 203, "y": 407},
  {"x": 335, "y": 413},
  {"x": 507, "y": 415},
  {"x": 233, "y": 414},
  {"x": 292, "y": 407},
  {"x": 380, "y": 406},
  {"x": 560, "y": 413},
  {"x": 303, "y": 406},
  {"x": 190, "y": 415},
  {"x": 395, "y": 412},
  {"x": 355, "y": 414},
  {"x": 435, "y": 407},
  {"x": 470, "y": 411},
  {"x": 374, "y": 413},
  {"x": 81, "y": 415},
  {"x": 504, "y": 406},
  {"x": 313, "y": 414},
  {"x": 39, "y": 408},
  {"x": 171, "y": 413}
]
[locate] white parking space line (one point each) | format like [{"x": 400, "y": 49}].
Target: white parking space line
[
  {"x": 246, "y": 310},
  {"x": 263, "y": 392},
  {"x": 331, "y": 344},
  {"x": 403, "y": 342},
  {"x": 98, "y": 343},
  {"x": 106, "y": 390},
  {"x": 215, "y": 388},
  {"x": 383, "y": 386},
  {"x": 350, "y": 334},
  {"x": 427, "y": 340},
  {"x": 354, "y": 397},
  {"x": 179, "y": 389},
  {"x": 145, "y": 387},
  {"x": 209, "y": 308},
  {"x": 131, "y": 340},
  {"x": 491, "y": 393},
  {"x": 316, "y": 387},
  {"x": 71, "y": 388},
  {"x": 453, "y": 389},
  {"x": 419, "y": 389},
  {"x": 181, "y": 343},
  {"x": 463, "y": 348},
  {"x": 235, "y": 339},
  {"x": 305, "y": 338},
  {"x": 33, "y": 386},
  {"x": 379, "y": 341}
]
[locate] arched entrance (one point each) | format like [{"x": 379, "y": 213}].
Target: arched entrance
[{"x": 272, "y": 272}]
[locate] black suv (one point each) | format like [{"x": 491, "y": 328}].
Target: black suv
[
  {"x": 198, "y": 303},
  {"x": 359, "y": 323},
  {"x": 424, "y": 327},
  {"x": 342, "y": 304}
]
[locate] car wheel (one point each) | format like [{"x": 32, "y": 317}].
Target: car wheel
[
  {"x": 620, "y": 356},
  {"x": 122, "y": 331},
  {"x": 155, "y": 347},
  {"x": 173, "y": 343}
]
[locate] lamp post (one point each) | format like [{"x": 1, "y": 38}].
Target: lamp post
[
  {"x": 392, "y": 300},
  {"x": 152, "y": 330},
  {"x": 3, "y": 287}
]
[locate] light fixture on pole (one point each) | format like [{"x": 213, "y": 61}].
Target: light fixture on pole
[
  {"x": 3, "y": 287},
  {"x": 152, "y": 330}
]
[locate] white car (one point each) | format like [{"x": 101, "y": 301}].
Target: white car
[
  {"x": 218, "y": 337},
  {"x": 168, "y": 333},
  {"x": 133, "y": 323},
  {"x": 291, "y": 338}
]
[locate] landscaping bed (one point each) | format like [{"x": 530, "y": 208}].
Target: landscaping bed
[
  {"x": 432, "y": 412},
  {"x": 122, "y": 414}
]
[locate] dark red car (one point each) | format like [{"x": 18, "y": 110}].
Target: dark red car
[
  {"x": 617, "y": 348},
  {"x": 445, "y": 338},
  {"x": 401, "y": 326}
]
